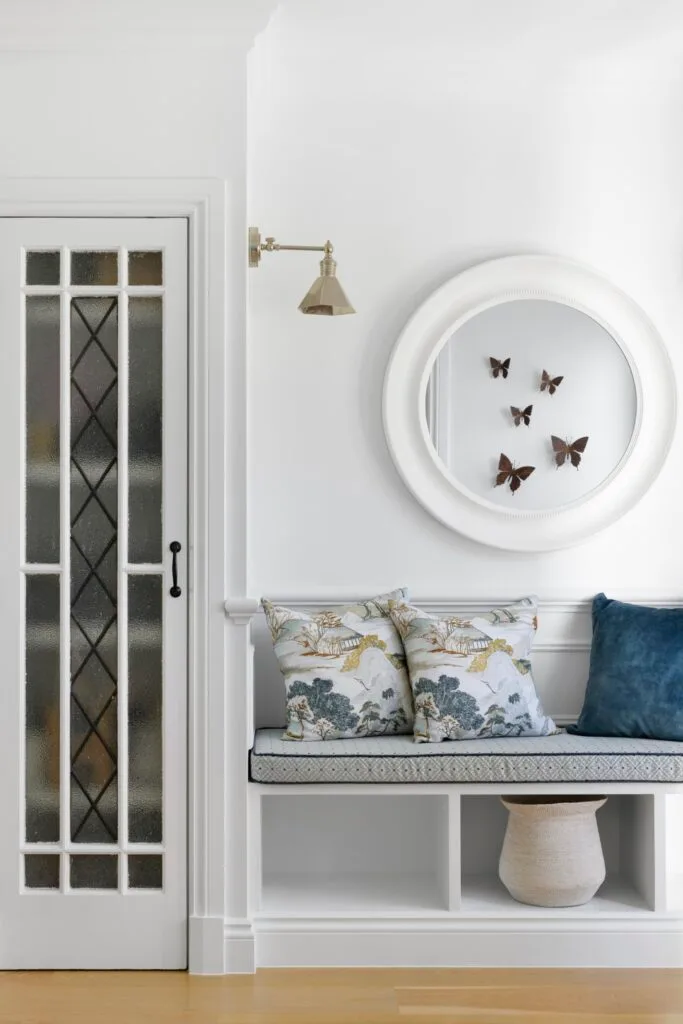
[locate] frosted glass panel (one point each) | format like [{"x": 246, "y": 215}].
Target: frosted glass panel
[
  {"x": 145, "y": 872},
  {"x": 94, "y": 872},
  {"x": 145, "y": 710},
  {"x": 41, "y": 871},
  {"x": 145, "y": 334},
  {"x": 94, "y": 268},
  {"x": 42, "y": 268},
  {"x": 94, "y": 666},
  {"x": 42, "y": 709},
  {"x": 144, "y": 268},
  {"x": 42, "y": 428}
]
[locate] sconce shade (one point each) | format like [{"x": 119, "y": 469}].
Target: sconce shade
[{"x": 326, "y": 297}]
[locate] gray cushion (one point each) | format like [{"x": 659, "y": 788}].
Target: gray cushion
[{"x": 382, "y": 759}]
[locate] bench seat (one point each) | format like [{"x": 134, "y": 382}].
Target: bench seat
[{"x": 398, "y": 759}]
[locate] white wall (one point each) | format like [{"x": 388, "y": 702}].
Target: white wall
[
  {"x": 424, "y": 136},
  {"x": 132, "y": 88},
  {"x": 106, "y": 115}
]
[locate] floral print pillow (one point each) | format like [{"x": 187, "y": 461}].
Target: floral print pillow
[
  {"x": 344, "y": 670},
  {"x": 471, "y": 677}
]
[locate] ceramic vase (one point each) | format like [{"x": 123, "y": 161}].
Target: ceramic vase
[{"x": 552, "y": 854}]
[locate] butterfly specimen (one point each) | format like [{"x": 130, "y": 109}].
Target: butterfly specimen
[
  {"x": 513, "y": 474},
  {"x": 499, "y": 366},
  {"x": 551, "y": 384},
  {"x": 564, "y": 450},
  {"x": 520, "y": 415}
]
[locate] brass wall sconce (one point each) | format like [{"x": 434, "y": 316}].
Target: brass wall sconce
[{"x": 325, "y": 297}]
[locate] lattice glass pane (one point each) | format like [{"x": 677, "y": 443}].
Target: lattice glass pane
[
  {"x": 145, "y": 334},
  {"x": 94, "y": 871},
  {"x": 94, "y": 268},
  {"x": 94, "y": 665},
  {"x": 41, "y": 870},
  {"x": 42, "y": 709},
  {"x": 144, "y": 268},
  {"x": 145, "y": 872},
  {"x": 42, "y": 268},
  {"x": 42, "y": 428},
  {"x": 145, "y": 595}
]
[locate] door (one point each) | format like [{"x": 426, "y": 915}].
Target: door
[{"x": 93, "y": 628}]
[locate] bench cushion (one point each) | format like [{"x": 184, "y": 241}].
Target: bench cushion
[{"x": 387, "y": 759}]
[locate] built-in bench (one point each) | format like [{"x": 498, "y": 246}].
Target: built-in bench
[
  {"x": 398, "y": 759},
  {"x": 384, "y": 852}
]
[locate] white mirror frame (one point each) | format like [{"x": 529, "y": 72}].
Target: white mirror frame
[{"x": 405, "y": 388}]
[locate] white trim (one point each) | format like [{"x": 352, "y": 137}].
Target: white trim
[
  {"x": 239, "y": 948},
  {"x": 615, "y": 943},
  {"x": 206, "y": 945},
  {"x": 204, "y": 203},
  {"x": 242, "y": 609},
  {"x": 65, "y": 575},
  {"x": 397, "y": 789},
  {"x": 527, "y": 920},
  {"x": 99, "y": 291},
  {"x": 122, "y": 559},
  {"x": 247, "y": 608},
  {"x": 482, "y": 287}
]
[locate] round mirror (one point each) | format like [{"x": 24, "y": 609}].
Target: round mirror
[
  {"x": 529, "y": 403},
  {"x": 488, "y": 397}
]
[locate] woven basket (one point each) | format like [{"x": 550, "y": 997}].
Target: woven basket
[{"x": 552, "y": 855}]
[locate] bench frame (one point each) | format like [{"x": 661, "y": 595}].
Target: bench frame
[{"x": 330, "y": 919}]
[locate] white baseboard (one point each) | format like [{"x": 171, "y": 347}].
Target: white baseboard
[
  {"x": 206, "y": 944},
  {"x": 583, "y": 945},
  {"x": 239, "y": 955}
]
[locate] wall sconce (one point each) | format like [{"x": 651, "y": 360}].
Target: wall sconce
[{"x": 326, "y": 296}]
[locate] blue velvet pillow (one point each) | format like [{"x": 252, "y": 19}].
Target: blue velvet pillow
[{"x": 635, "y": 685}]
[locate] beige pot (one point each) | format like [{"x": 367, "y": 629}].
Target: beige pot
[{"x": 552, "y": 855}]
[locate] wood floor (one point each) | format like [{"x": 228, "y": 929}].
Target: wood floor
[{"x": 345, "y": 996}]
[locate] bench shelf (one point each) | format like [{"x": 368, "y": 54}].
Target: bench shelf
[{"x": 339, "y": 864}]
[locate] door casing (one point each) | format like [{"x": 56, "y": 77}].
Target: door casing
[{"x": 211, "y": 455}]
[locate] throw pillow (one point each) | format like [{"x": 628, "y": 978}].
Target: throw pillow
[
  {"x": 471, "y": 677},
  {"x": 635, "y": 681},
  {"x": 344, "y": 670}
]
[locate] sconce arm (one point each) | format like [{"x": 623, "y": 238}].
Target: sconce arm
[{"x": 256, "y": 247}]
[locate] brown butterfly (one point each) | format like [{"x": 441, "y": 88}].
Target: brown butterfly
[
  {"x": 521, "y": 414},
  {"x": 550, "y": 383},
  {"x": 515, "y": 474},
  {"x": 500, "y": 366},
  {"x": 564, "y": 450}
]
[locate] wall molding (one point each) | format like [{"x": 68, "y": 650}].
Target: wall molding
[
  {"x": 247, "y": 607},
  {"x": 239, "y": 951}
]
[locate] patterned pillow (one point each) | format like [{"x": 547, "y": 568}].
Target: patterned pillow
[
  {"x": 471, "y": 677},
  {"x": 344, "y": 669}
]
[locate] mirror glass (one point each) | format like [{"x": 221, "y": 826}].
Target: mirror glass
[{"x": 471, "y": 404}]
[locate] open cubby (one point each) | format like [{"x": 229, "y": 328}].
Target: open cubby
[
  {"x": 413, "y": 854},
  {"x": 626, "y": 825},
  {"x": 362, "y": 854}
]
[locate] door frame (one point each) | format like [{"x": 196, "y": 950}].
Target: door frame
[{"x": 216, "y": 514}]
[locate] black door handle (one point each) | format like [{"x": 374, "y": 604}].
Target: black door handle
[{"x": 175, "y": 547}]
